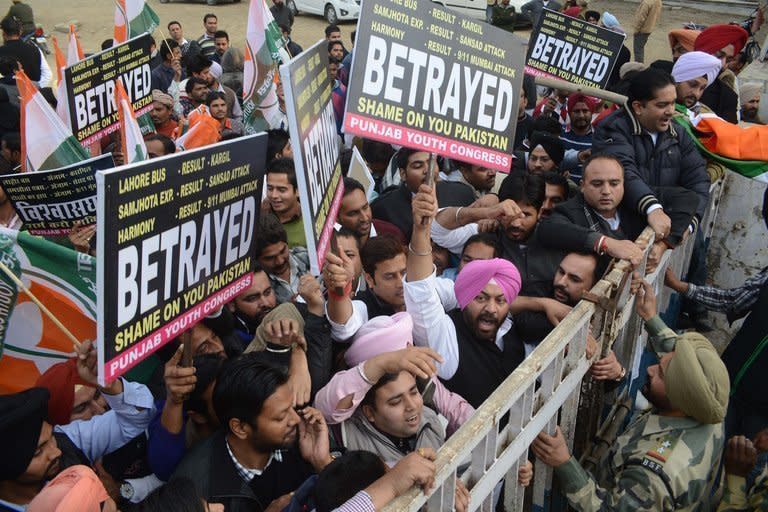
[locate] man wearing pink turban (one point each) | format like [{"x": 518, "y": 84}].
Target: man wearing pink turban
[
  {"x": 477, "y": 341},
  {"x": 384, "y": 345}
]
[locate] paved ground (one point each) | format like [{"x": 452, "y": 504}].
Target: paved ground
[{"x": 96, "y": 19}]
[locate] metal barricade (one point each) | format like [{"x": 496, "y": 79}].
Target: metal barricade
[{"x": 544, "y": 391}]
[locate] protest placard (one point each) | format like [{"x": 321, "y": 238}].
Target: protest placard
[
  {"x": 572, "y": 50},
  {"x": 50, "y": 202},
  {"x": 91, "y": 87},
  {"x": 315, "y": 143},
  {"x": 427, "y": 78},
  {"x": 175, "y": 240}
]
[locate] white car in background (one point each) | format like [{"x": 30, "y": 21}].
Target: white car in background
[
  {"x": 332, "y": 10},
  {"x": 341, "y": 10}
]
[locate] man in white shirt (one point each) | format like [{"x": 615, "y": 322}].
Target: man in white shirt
[{"x": 477, "y": 340}]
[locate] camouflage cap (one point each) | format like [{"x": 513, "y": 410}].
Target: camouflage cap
[
  {"x": 696, "y": 379},
  {"x": 286, "y": 310}
]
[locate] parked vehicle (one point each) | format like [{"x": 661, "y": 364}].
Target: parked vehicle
[
  {"x": 332, "y": 10},
  {"x": 340, "y": 10}
]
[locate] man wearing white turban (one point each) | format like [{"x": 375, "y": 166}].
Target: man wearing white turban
[{"x": 693, "y": 72}]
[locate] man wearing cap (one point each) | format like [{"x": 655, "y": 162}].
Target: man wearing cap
[
  {"x": 746, "y": 356},
  {"x": 750, "y": 102},
  {"x": 34, "y": 451},
  {"x": 668, "y": 457},
  {"x": 477, "y": 341},
  {"x": 723, "y": 42}
]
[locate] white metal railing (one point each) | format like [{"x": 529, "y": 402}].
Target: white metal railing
[{"x": 496, "y": 439}]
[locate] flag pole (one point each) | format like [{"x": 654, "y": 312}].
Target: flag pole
[{"x": 44, "y": 309}]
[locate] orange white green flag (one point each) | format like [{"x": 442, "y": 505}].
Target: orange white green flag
[
  {"x": 62, "y": 105},
  {"x": 134, "y": 149},
  {"x": 203, "y": 130},
  {"x": 74, "y": 51},
  {"x": 133, "y": 18},
  {"x": 46, "y": 142},
  {"x": 264, "y": 51},
  {"x": 65, "y": 282}
]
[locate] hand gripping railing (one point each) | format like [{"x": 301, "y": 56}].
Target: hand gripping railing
[{"x": 496, "y": 439}]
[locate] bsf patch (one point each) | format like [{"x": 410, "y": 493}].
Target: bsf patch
[{"x": 652, "y": 465}]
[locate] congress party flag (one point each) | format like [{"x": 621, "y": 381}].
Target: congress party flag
[
  {"x": 46, "y": 142},
  {"x": 264, "y": 50},
  {"x": 64, "y": 281},
  {"x": 133, "y": 18},
  {"x": 134, "y": 149}
]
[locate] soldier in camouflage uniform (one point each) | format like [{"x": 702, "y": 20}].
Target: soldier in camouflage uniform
[
  {"x": 740, "y": 459},
  {"x": 668, "y": 457}
]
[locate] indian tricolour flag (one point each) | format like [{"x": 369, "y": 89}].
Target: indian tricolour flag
[
  {"x": 74, "y": 51},
  {"x": 46, "y": 142},
  {"x": 743, "y": 150},
  {"x": 134, "y": 149},
  {"x": 64, "y": 281},
  {"x": 264, "y": 50},
  {"x": 132, "y": 18},
  {"x": 62, "y": 106},
  {"x": 74, "y": 55}
]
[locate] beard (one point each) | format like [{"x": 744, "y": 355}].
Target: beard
[
  {"x": 750, "y": 113},
  {"x": 288, "y": 441},
  {"x": 253, "y": 321}
]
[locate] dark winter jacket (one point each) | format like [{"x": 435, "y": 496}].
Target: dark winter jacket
[{"x": 672, "y": 161}]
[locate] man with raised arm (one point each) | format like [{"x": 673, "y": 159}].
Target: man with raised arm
[{"x": 477, "y": 341}]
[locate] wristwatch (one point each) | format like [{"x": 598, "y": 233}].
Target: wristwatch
[
  {"x": 126, "y": 491},
  {"x": 623, "y": 374}
]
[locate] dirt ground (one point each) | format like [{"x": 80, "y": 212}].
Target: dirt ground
[{"x": 96, "y": 18}]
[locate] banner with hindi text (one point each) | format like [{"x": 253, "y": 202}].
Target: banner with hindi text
[{"x": 50, "y": 202}]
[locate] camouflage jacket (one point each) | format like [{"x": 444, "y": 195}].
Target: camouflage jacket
[
  {"x": 659, "y": 463},
  {"x": 736, "y": 497}
]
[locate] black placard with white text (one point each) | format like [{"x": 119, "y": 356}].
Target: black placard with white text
[
  {"x": 90, "y": 87},
  {"x": 175, "y": 242},
  {"x": 315, "y": 143},
  {"x": 573, "y": 50},
  {"x": 427, "y": 78}
]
